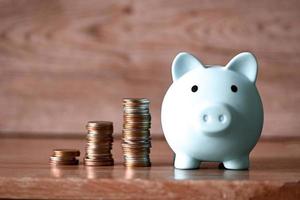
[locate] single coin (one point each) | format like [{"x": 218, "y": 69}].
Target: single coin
[
  {"x": 100, "y": 125},
  {"x": 107, "y": 158},
  {"x": 140, "y": 115},
  {"x": 128, "y": 141},
  {"x": 54, "y": 158},
  {"x": 66, "y": 152},
  {"x": 135, "y": 100},
  {"x": 75, "y": 162},
  {"x": 139, "y": 106},
  {"x": 137, "y": 164},
  {"x": 135, "y": 126},
  {"x": 136, "y": 110},
  {"x": 98, "y": 163}
]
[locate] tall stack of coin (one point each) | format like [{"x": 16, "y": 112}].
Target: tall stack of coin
[
  {"x": 136, "y": 132},
  {"x": 64, "y": 157},
  {"x": 99, "y": 143}
]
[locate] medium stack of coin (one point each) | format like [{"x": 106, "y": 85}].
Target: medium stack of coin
[
  {"x": 64, "y": 157},
  {"x": 136, "y": 132},
  {"x": 99, "y": 143}
]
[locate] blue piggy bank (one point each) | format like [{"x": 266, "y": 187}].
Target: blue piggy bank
[{"x": 211, "y": 112}]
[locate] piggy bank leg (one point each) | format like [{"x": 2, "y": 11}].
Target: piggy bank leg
[
  {"x": 237, "y": 164},
  {"x": 183, "y": 161}
]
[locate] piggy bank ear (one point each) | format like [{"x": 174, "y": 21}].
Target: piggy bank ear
[
  {"x": 183, "y": 63},
  {"x": 245, "y": 64}
]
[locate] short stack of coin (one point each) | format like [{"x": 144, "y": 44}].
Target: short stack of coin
[
  {"x": 136, "y": 132},
  {"x": 64, "y": 157},
  {"x": 99, "y": 143}
]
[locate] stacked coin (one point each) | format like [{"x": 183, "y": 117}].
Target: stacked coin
[
  {"x": 99, "y": 143},
  {"x": 64, "y": 157},
  {"x": 136, "y": 132}
]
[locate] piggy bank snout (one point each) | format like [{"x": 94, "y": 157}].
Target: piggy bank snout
[{"x": 215, "y": 118}]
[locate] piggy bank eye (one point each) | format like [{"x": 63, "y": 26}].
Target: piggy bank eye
[
  {"x": 194, "y": 88},
  {"x": 234, "y": 88}
]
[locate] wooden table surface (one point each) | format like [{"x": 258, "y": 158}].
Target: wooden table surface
[{"x": 25, "y": 173}]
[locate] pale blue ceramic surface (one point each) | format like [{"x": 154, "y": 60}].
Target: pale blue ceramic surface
[{"x": 212, "y": 113}]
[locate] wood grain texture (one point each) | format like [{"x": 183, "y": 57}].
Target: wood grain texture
[
  {"x": 26, "y": 174},
  {"x": 63, "y": 63}
]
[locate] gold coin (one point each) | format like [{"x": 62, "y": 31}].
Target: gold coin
[
  {"x": 136, "y": 120},
  {"x": 66, "y": 152},
  {"x": 98, "y": 163},
  {"x": 148, "y": 164},
  {"x": 103, "y": 158},
  {"x": 138, "y": 115},
  {"x": 136, "y": 151},
  {"x": 74, "y": 162},
  {"x": 133, "y": 110},
  {"x": 54, "y": 158},
  {"x": 135, "y": 100},
  {"x": 137, "y": 142},
  {"x": 99, "y": 125},
  {"x": 136, "y": 126}
]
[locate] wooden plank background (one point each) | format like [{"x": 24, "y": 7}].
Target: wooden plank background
[{"x": 65, "y": 62}]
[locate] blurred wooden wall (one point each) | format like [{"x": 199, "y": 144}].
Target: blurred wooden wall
[{"x": 63, "y": 63}]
